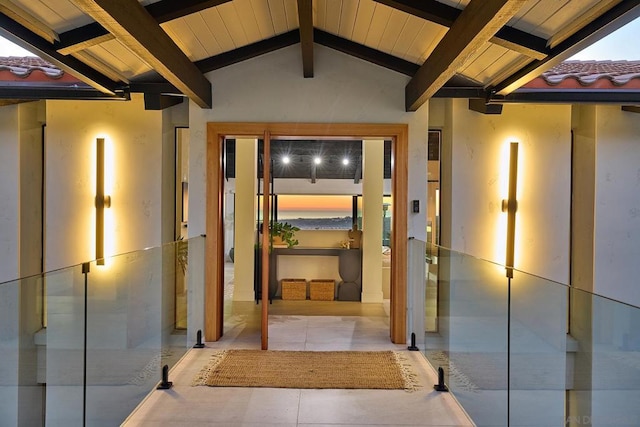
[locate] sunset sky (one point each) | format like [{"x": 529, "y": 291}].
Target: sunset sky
[{"x": 316, "y": 206}]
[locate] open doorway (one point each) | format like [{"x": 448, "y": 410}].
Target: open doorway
[{"x": 219, "y": 132}]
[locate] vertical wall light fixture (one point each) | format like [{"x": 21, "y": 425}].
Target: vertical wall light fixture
[
  {"x": 102, "y": 201},
  {"x": 510, "y": 206}
]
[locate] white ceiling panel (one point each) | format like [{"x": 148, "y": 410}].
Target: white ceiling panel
[
  {"x": 319, "y": 8},
  {"x": 348, "y": 18},
  {"x": 278, "y": 15},
  {"x": 203, "y": 35},
  {"x": 59, "y": 15},
  {"x": 291, "y": 8},
  {"x": 505, "y": 62},
  {"x": 333, "y": 14},
  {"x": 366, "y": 8},
  {"x": 120, "y": 58},
  {"x": 407, "y": 37},
  {"x": 216, "y": 26},
  {"x": 247, "y": 19},
  {"x": 391, "y": 34},
  {"x": 184, "y": 35},
  {"x": 487, "y": 58},
  {"x": 566, "y": 15},
  {"x": 540, "y": 12},
  {"x": 263, "y": 18},
  {"x": 428, "y": 38},
  {"x": 379, "y": 22},
  {"x": 232, "y": 22},
  {"x": 172, "y": 30}
]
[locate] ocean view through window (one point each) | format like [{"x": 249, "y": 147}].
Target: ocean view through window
[{"x": 316, "y": 212}]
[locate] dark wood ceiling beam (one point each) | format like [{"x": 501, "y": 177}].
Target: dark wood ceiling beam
[
  {"x": 461, "y": 92},
  {"x": 163, "y": 11},
  {"x": 168, "y": 10},
  {"x": 477, "y": 23},
  {"x": 153, "y": 82},
  {"x": 366, "y": 53},
  {"x": 575, "y": 96},
  {"x": 305, "y": 20},
  {"x": 451, "y": 89},
  {"x": 62, "y": 92},
  {"x": 30, "y": 41},
  {"x": 445, "y": 15},
  {"x": 429, "y": 10},
  {"x": 481, "y": 106},
  {"x": 134, "y": 27},
  {"x": 155, "y": 101},
  {"x": 247, "y": 52},
  {"x": 616, "y": 17}
]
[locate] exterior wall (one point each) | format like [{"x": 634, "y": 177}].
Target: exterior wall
[
  {"x": 9, "y": 165},
  {"x": 20, "y": 256},
  {"x": 9, "y": 264},
  {"x": 617, "y": 205},
  {"x": 134, "y": 140},
  {"x": 480, "y": 178},
  {"x": 130, "y": 303},
  {"x": 583, "y": 193},
  {"x": 176, "y": 116},
  {"x": 472, "y": 291},
  {"x": 344, "y": 89}
]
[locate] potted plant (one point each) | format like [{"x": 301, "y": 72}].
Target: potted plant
[{"x": 285, "y": 232}]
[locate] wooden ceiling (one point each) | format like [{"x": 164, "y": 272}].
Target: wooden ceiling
[
  {"x": 482, "y": 49},
  {"x": 300, "y": 155}
]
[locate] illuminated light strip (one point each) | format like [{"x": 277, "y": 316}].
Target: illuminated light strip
[
  {"x": 510, "y": 206},
  {"x": 102, "y": 201}
]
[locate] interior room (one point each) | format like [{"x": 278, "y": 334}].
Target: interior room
[{"x": 318, "y": 189}]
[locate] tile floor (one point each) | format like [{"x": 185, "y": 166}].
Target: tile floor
[{"x": 300, "y": 325}]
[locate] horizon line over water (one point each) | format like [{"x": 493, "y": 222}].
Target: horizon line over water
[{"x": 320, "y": 223}]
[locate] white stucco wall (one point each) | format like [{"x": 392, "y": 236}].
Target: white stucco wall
[
  {"x": 617, "y": 204},
  {"x": 130, "y": 307},
  {"x": 9, "y": 165},
  {"x": 135, "y": 138},
  {"x": 344, "y": 89},
  {"x": 20, "y": 252},
  {"x": 480, "y": 178}
]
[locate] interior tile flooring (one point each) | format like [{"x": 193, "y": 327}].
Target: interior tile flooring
[{"x": 300, "y": 325}]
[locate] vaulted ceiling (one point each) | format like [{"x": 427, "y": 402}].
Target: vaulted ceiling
[{"x": 481, "y": 49}]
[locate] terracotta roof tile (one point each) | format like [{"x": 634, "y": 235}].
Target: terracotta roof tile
[
  {"x": 23, "y": 66},
  {"x": 590, "y": 74}
]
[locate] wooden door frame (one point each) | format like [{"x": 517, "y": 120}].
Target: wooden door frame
[{"x": 214, "y": 250}]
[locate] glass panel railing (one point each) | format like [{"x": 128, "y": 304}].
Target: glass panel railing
[
  {"x": 537, "y": 356},
  {"x": 64, "y": 344},
  {"x": 124, "y": 344},
  {"x": 604, "y": 362},
  {"x": 21, "y": 376},
  {"x": 529, "y": 351},
  {"x": 133, "y": 330},
  {"x": 471, "y": 339},
  {"x": 110, "y": 329}
]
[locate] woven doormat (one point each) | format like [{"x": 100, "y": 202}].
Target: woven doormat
[{"x": 309, "y": 369}]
